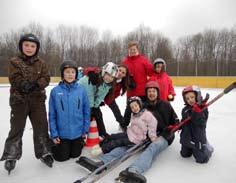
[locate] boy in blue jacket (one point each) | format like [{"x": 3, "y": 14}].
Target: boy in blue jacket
[{"x": 69, "y": 114}]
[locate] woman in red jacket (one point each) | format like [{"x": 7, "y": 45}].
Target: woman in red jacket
[
  {"x": 167, "y": 92},
  {"x": 119, "y": 90}
]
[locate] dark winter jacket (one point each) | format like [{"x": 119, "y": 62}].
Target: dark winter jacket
[
  {"x": 193, "y": 134},
  {"x": 139, "y": 68},
  {"x": 69, "y": 111},
  {"x": 165, "y": 115},
  {"x": 27, "y": 73}
]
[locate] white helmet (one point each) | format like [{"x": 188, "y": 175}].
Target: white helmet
[
  {"x": 110, "y": 68},
  {"x": 159, "y": 61}
]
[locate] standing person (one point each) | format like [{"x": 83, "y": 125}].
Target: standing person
[
  {"x": 143, "y": 125},
  {"x": 97, "y": 84},
  {"x": 166, "y": 116},
  {"x": 167, "y": 92},
  {"x": 193, "y": 135},
  {"x": 28, "y": 76},
  {"x": 69, "y": 114},
  {"x": 139, "y": 68},
  {"x": 119, "y": 90}
]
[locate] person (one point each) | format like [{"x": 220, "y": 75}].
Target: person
[
  {"x": 120, "y": 89},
  {"x": 140, "y": 69},
  {"x": 80, "y": 73},
  {"x": 97, "y": 84},
  {"x": 28, "y": 76},
  {"x": 166, "y": 117},
  {"x": 193, "y": 135},
  {"x": 167, "y": 92},
  {"x": 142, "y": 125},
  {"x": 69, "y": 114}
]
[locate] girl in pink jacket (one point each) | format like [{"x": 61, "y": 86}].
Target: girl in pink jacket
[{"x": 142, "y": 125}]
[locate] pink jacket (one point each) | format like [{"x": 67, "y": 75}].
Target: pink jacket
[{"x": 141, "y": 125}]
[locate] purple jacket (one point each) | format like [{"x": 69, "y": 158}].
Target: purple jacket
[{"x": 142, "y": 124}]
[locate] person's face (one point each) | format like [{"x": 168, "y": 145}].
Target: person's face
[
  {"x": 133, "y": 51},
  {"x": 135, "y": 108},
  {"x": 158, "y": 67},
  {"x": 152, "y": 94},
  {"x": 69, "y": 75},
  {"x": 190, "y": 98},
  {"x": 121, "y": 72},
  {"x": 107, "y": 78},
  {"x": 29, "y": 48}
]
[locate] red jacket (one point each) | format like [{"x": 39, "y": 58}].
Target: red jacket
[
  {"x": 110, "y": 98},
  {"x": 139, "y": 68},
  {"x": 165, "y": 85}
]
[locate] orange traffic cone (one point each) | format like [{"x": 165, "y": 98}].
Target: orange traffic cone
[{"x": 93, "y": 137}]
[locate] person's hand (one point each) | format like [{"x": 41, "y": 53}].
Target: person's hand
[
  {"x": 93, "y": 78},
  {"x": 27, "y": 86},
  {"x": 170, "y": 97},
  {"x": 57, "y": 140}
]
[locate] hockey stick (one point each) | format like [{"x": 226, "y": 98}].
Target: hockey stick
[
  {"x": 225, "y": 91},
  {"x": 107, "y": 167}
]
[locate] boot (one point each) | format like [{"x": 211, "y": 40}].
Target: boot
[
  {"x": 10, "y": 165},
  {"x": 131, "y": 177},
  {"x": 89, "y": 164},
  {"x": 47, "y": 160}
]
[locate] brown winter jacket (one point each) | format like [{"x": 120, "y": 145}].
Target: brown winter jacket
[{"x": 32, "y": 70}]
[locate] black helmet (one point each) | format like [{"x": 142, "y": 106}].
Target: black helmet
[
  {"x": 31, "y": 38},
  {"x": 68, "y": 64}
]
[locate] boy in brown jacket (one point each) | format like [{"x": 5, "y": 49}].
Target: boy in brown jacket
[{"x": 28, "y": 76}]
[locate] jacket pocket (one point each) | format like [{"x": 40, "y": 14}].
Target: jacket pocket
[
  {"x": 62, "y": 106},
  {"x": 78, "y": 103}
]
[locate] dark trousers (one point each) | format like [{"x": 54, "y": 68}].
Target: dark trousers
[
  {"x": 115, "y": 140},
  {"x": 127, "y": 114},
  {"x": 36, "y": 111},
  {"x": 201, "y": 155},
  {"x": 116, "y": 111},
  {"x": 68, "y": 149}
]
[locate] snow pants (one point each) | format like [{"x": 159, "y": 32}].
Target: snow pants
[
  {"x": 34, "y": 108},
  {"x": 68, "y": 149}
]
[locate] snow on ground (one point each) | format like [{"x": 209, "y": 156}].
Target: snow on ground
[{"x": 168, "y": 167}]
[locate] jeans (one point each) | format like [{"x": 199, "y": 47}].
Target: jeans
[{"x": 144, "y": 160}]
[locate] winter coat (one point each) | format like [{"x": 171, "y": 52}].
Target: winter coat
[
  {"x": 165, "y": 115},
  {"x": 110, "y": 98},
  {"x": 69, "y": 111},
  {"x": 95, "y": 94},
  {"x": 165, "y": 85},
  {"x": 139, "y": 68},
  {"x": 193, "y": 134},
  {"x": 23, "y": 70},
  {"x": 142, "y": 125}
]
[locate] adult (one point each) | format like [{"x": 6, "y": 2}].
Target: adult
[
  {"x": 139, "y": 68},
  {"x": 166, "y": 116}
]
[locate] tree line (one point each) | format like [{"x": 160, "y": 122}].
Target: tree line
[{"x": 209, "y": 53}]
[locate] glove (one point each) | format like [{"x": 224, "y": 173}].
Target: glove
[
  {"x": 170, "y": 97},
  {"x": 27, "y": 86},
  {"x": 171, "y": 127},
  {"x": 197, "y": 107},
  {"x": 93, "y": 78},
  {"x": 131, "y": 83},
  {"x": 102, "y": 104}
]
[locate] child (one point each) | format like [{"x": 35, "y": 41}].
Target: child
[
  {"x": 97, "y": 84},
  {"x": 193, "y": 135},
  {"x": 28, "y": 76},
  {"x": 167, "y": 92},
  {"x": 80, "y": 73},
  {"x": 69, "y": 114},
  {"x": 119, "y": 90},
  {"x": 143, "y": 124}
]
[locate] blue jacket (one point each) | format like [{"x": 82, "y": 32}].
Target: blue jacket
[
  {"x": 96, "y": 95},
  {"x": 69, "y": 111}
]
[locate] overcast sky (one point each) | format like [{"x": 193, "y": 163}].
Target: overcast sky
[{"x": 174, "y": 18}]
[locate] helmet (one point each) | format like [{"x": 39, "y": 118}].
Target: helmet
[
  {"x": 110, "y": 68},
  {"x": 135, "y": 99},
  {"x": 152, "y": 84},
  {"x": 192, "y": 88},
  {"x": 68, "y": 64},
  {"x": 31, "y": 38},
  {"x": 160, "y": 61},
  {"x": 80, "y": 68}
]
